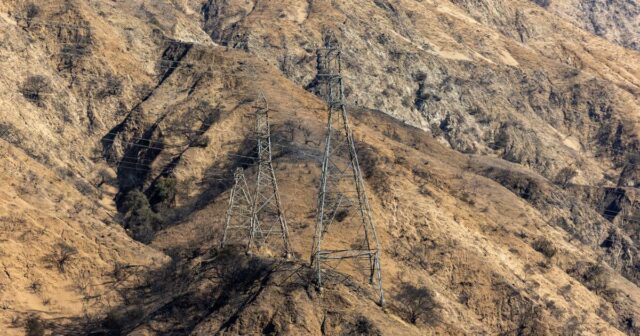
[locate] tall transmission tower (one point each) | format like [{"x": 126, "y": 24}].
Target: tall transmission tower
[
  {"x": 259, "y": 214},
  {"x": 237, "y": 225},
  {"x": 268, "y": 215},
  {"x": 342, "y": 205}
]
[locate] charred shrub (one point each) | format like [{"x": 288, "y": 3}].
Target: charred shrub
[
  {"x": 417, "y": 304},
  {"x": 291, "y": 130},
  {"x": 542, "y": 3},
  {"x": 197, "y": 121},
  {"x": 62, "y": 254},
  {"x": 240, "y": 271},
  {"x": 468, "y": 198},
  {"x": 117, "y": 321},
  {"x": 341, "y": 215},
  {"x": 523, "y": 185},
  {"x": 593, "y": 276},
  {"x": 35, "y": 88},
  {"x": 84, "y": 187},
  {"x": 206, "y": 113},
  {"x": 237, "y": 273},
  {"x": 362, "y": 327},
  {"x": 31, "y": 11},
  {"x": 564, "y": 176},
  {"x": 596, "y": 278},
  {"x": 544, "y": 246},
  {"x": 10, "y": 134},
  {"x": 4, "y": 129},
  {"x": 112, "y": 87},
  {"x": 76, "y": 43}
]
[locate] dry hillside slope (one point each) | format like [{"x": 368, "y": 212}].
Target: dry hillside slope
[
  {"x": 498, "y": 140},
  {"x": 617, "y": 20}
]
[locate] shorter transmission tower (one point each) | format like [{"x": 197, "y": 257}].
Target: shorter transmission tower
[
  {"x": 258, "y": 214},
  {"x": 343, "y": 206},
  {"x": 237, "y": 226},
  {"x": 268, "y": 216}
]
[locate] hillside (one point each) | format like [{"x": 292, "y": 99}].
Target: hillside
[
  {"x": 497, "y": 138},
  {"x": 616, "y": 21}
]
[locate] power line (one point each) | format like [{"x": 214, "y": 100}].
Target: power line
[{"x": 187, "y": 144}]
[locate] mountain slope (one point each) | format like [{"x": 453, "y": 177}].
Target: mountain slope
[
  {"x": 496, "y": 137},
  {"x": 616, "y": 21}
]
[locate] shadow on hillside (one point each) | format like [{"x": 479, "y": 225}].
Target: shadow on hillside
[
  {"x": 184, "y": 293},
  {"x": 219, "y": 177},
  {"x": 213, "y": 287}
]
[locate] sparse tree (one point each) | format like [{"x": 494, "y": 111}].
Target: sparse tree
[
  {"x": 197, "y": 121},
  {"x": 565, "y": 175},
  {"x": 417, "y": 304},
  {"x": 34, "y": 88}
]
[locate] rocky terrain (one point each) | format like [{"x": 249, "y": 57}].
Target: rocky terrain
[
  {"x": 498, "y": 139},
  {"x": 615, "y": 20}
]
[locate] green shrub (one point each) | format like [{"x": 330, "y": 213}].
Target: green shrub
[
  {"x": 165, "y": 189},
  {"x": 140, "y": 220}
]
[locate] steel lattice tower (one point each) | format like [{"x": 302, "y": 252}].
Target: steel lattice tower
[
  {"x": 239, "y": 213},
  {"x": 342, "y": 201},
  {"x": 267, "y": 213}
]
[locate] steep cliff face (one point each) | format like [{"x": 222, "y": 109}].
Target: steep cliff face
[{"x": 497, "y": 139}]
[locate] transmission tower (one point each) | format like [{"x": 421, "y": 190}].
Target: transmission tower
[
  {"x": 267, "y": 213},
  {"x": 257, "y": 215},
  {"x": 342, "y": 203},
  {"x": 237, "y": 225}
]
